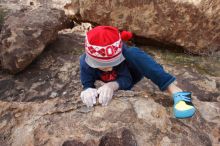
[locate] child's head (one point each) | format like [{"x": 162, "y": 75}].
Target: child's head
[{"x": 103, "y": 47}]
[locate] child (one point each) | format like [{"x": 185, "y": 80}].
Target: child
[{"x": 120, "y": 67}]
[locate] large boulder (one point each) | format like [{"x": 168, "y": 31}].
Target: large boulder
[
  {"x": 25, "y": 35},
  {"x": 41, "y": 106},
  {"x": 194, "y": 25}
]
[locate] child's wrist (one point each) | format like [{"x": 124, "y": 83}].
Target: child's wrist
[{"x": 113, "y": 85}]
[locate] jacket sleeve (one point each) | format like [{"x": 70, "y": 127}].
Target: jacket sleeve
[
  {"x": 87, "y": 74},
  {"x": 124, "y": 78}
]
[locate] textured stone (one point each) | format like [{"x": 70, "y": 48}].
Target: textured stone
[
  {"x": 191, "y": 24},
  {"x": 59, "y": 4},
  {"x": 2, "y": 16},
  {"x": 25, "y": 35},
  {"x": 143, "y": 116}
]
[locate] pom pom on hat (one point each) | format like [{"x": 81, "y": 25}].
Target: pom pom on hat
[{"x": 126, "y": 35}]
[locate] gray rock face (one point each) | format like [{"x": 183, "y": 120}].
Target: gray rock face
[
  {"x": 191, "y": 24},
  {"x": 140, "y": 117},
  {"x": 25, "y": 35},
  {"x": 59, "y": 4}
]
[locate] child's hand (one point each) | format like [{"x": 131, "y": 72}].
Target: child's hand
[
  {"x": 88, "y": 96},
  {"x": 106, "y": 92}
]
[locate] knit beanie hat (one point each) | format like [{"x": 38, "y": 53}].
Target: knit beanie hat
[{"x": 103, "y": 47}]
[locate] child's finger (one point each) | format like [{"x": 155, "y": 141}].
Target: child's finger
[
  {"x": 94, "y": 99},
  {"x": 95, "y": 94},
  {"x": 83, "y": 97},
  {"x": 90, "y": 102},
  {"x": 100, "y": 98},
  {"x": 87, "y": 99},
  {"x": 110, "y": 94},
  {"x": 99, "y": 90},
  {"x": 102, "y": 94},
  {"x": 105, "y": 98}
]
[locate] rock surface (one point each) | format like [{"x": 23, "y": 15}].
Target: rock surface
[
  {"x": 26, "y": 33},
  {"x": 191, "y": 24},
  {"x": 59, "y": 4},
  {"x": 2, "y": 16},
  {"x": 41, "y": 105}
]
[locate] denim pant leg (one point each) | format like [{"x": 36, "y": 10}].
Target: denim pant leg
[
  {"x": 136, "y": 75},
  {"x": 148, "y": 67}
]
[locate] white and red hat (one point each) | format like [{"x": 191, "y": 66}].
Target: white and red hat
[{"x": 103, "y": 47}]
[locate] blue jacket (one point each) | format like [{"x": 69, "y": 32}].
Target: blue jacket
[{"x": 89, "y": 75}]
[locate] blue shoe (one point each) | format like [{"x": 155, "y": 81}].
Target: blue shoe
[{"x": 183, "y": 107}]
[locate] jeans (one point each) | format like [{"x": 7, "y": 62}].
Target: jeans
[{"x": 141, "y": 65}]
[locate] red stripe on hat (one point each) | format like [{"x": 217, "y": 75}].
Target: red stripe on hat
[{"x": 105, "y": 58}]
